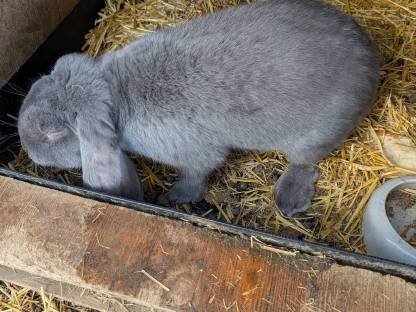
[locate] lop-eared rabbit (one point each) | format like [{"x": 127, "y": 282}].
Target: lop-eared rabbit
[{"x": 289, "y": 75}]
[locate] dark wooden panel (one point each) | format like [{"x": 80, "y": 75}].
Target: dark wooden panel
[{"x": 24, "y": 25}]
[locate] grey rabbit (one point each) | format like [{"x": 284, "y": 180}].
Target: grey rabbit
[{"x": 289, "y": 75}]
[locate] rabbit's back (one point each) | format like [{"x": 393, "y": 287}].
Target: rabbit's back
[{"x": 274, "y": 74}]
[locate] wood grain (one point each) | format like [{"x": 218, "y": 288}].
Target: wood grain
[
  {"x": 67, "y": 244},
  {"x": 24, "y": 25}
]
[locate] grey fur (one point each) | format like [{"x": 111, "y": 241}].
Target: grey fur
[{"x": 291, "y": 75}]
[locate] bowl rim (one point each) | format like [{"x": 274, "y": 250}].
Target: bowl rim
[{"x": 375, "y": 208}]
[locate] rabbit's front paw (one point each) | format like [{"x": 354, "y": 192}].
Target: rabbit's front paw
[{"x": 185, "y": 193}]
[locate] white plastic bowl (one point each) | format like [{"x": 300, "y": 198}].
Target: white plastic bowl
[{"x": 380, "y": 237}]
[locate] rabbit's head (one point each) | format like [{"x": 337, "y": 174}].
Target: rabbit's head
[
  {"x": 67, "y": 121},
  {"x": 47, "y": 125}
]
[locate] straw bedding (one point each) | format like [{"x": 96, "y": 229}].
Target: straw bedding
[
  {"x": 18, "y": 299},
  {"x": 382, "y": 147}
]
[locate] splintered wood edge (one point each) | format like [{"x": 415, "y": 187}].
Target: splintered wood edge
[{"x": 112, "y": 258}]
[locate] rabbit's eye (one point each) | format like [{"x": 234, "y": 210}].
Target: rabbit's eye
[{"x": 53, "y": 135}]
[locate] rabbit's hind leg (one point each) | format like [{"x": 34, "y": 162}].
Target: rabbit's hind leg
[{"x": 295, "y": 189}]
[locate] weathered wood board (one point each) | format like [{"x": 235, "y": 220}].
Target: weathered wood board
[
  {"x": 24, "y": 25},
  {"x": 113, "y": 258}
]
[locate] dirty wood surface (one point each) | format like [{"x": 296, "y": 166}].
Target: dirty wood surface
[
  {"x": 24, "y": 25},
  {"x": 115, "y": 259}
]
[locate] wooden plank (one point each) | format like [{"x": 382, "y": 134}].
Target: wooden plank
[
  {"x": 67, "y": 244},
  {"x": 24, "y": 25}
]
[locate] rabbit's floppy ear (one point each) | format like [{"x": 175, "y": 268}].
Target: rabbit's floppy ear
[{"x": 105, "y": 167}]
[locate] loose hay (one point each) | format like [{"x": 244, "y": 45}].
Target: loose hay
[
  {"x": 241, "y": 191},
  {"x": 19, "y": 299}
]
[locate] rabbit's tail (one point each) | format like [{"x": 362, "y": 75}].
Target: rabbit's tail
[{"x": 294, "y": 190}]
